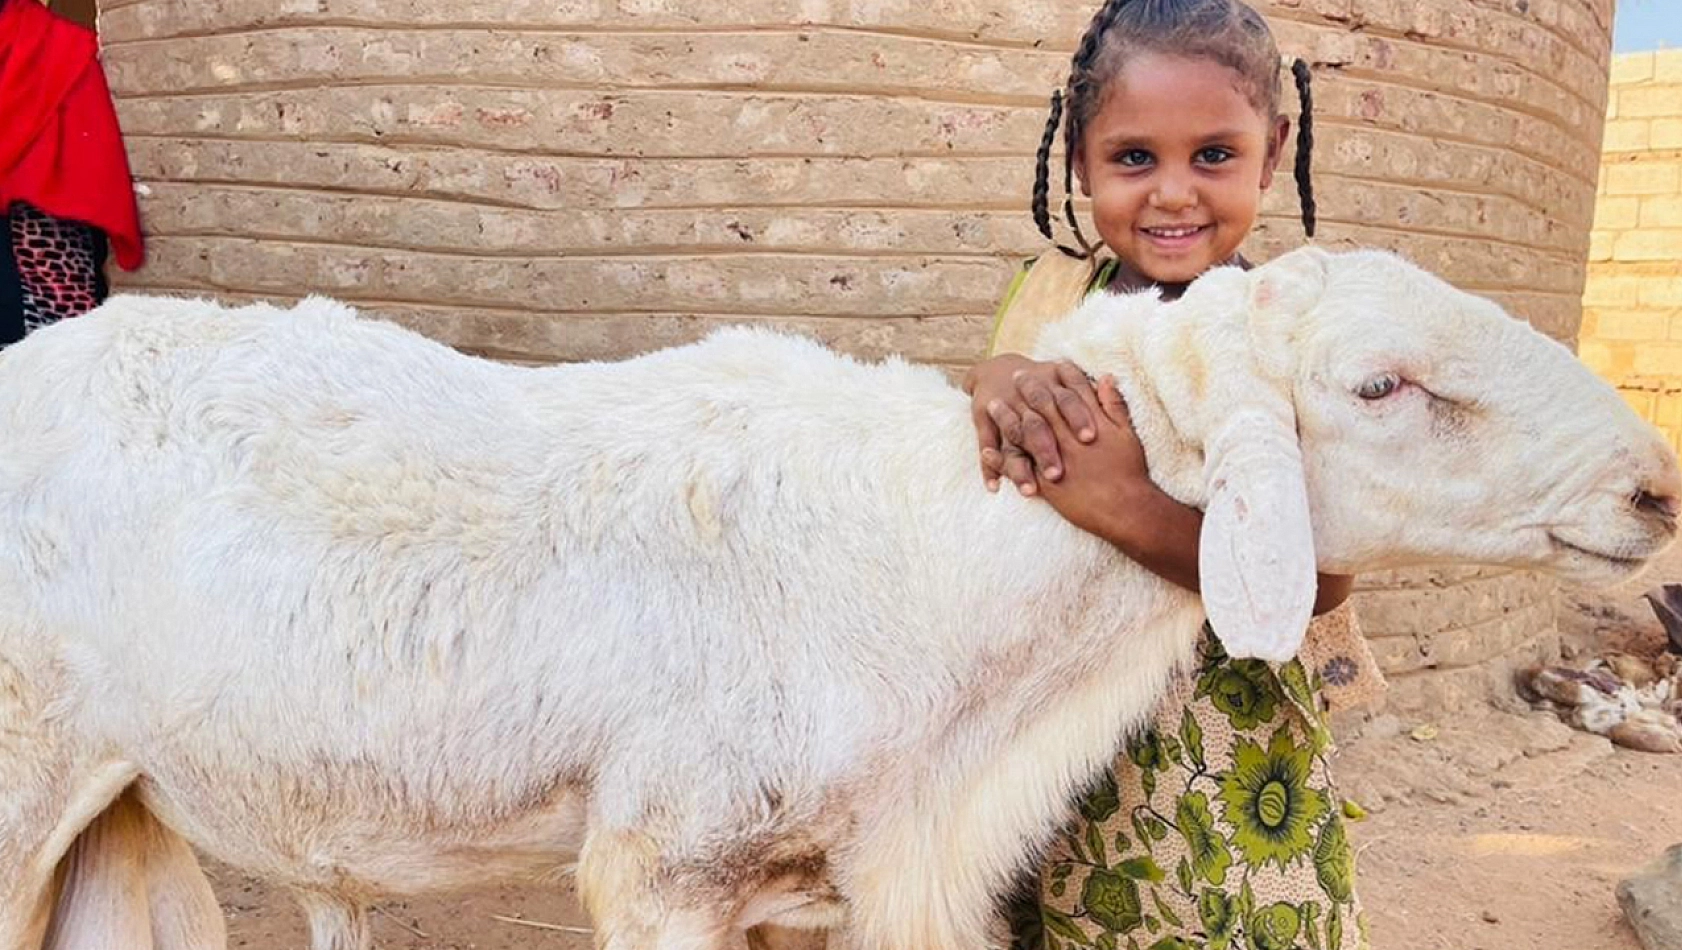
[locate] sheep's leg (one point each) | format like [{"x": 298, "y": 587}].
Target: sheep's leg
[
  {"x": 130, "y": 882},
  {"x": 692, "y": 930},
  {"x": 676, "y": 930},
  {"x": 26, "y": 897},
  {"x": 617, "y": 874},
  {"x": 126, "y": 881},
  {"x": 182, "y": 907},
  {"x": 336, "y": 923},
  {"x": 40, "y": 819},
  {"x": 615, "y": 882},
  {"x": 50, "y": 794},
  {"x": 102, "y": 888},
  {"x": 928, "y": 876}
]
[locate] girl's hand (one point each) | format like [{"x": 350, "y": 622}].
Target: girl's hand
[
  {"x": 1015, "y": 402},
  {"x": 1106, "y": 488},
  {"x": 1107, "y": 491}
]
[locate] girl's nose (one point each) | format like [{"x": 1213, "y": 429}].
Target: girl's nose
[{"x": 1173, "y": 193}]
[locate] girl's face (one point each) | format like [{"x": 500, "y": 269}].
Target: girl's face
[{"x": 1175, "y": 162}]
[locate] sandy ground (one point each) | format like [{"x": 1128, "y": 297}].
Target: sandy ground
[
  {"x": 1495, "y": 831},
  {"x": 1532, "y": 865}
]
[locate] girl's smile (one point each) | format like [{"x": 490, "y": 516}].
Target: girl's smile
[
  {"x": 1176, "y": 240},
  {"x": 1175, "y": 160}
]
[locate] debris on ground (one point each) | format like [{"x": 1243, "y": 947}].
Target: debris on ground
[{"x": 1634, "y": 699}]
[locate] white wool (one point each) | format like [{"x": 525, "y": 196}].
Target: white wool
[{"x": 735, "y": 624}]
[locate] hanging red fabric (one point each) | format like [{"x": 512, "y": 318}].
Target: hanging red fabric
[{"x": 60, "y": 147}]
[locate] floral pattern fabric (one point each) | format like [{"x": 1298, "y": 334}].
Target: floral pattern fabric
[{"x": 1218, "y": 829}]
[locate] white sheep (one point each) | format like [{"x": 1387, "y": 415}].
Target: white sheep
[{"x": 735, "y": 625}]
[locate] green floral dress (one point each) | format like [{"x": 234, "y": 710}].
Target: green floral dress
[{"x": 1218, "y": 829}]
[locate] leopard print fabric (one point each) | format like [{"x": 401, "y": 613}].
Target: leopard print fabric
[{"x": 59, "y": 265}]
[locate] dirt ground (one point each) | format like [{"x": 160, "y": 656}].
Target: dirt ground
[
  {"x": 1530, "y": 865},
  {"x": 1499, "y": 830}
]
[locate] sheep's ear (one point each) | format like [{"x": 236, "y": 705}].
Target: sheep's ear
[
  {"x": 1281, "y": 291},
  {"x": 1257, "y": 562},
  {"x": 1256, "y": 554}
]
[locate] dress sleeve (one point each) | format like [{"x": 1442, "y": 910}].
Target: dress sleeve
[{"x": 1004, "y": 305}]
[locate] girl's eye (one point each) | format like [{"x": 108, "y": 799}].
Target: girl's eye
[
  {"x": 1379, "y": 386},
  {"x": 1213, "y": 156},
  {"x": 1134, "y": 157}
]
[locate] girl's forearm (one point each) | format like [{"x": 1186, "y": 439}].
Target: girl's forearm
[
  {"x": 1157, "y": 532},
  {"x": 1161, "y": 535}
]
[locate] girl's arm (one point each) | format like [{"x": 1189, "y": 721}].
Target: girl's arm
[{"x": 1106, "y": 490}]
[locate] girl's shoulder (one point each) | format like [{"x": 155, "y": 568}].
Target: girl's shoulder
[
  {"x": 1056, "y": 268},
  {"x": 1043, "y": 289}
]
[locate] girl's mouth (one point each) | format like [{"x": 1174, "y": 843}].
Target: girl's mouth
[{"x": 1175, "y": 238}]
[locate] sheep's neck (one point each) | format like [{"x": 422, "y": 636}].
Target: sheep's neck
[
  {"x": 1153, "y": 352},
  {"x": 1173, "y": 451}
]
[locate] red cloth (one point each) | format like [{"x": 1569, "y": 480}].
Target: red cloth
[{"x": 60, "y": 147}]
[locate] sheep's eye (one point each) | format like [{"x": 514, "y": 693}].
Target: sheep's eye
[{"x": 1379, "y": 386}]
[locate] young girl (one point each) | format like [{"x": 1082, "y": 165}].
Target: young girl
[{"x": 1219, "y": 826}]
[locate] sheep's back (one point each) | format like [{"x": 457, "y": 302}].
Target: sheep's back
[{"x": 746, "y": 551}]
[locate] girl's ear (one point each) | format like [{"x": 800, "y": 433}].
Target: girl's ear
[{"x": 1277, "y": 137}]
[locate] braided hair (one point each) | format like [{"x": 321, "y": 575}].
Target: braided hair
[
  {"x": 1305, "y": 144},
  {"x": 1226, "y": 31}
]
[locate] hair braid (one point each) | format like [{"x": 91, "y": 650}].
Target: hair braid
[
  {"x": 1086, "y": 248},
  {"x": 1081, "y": 86},
  {"x": 1305, "y": 145},
  {"x": 1042, "y": 168},
  {"x": 1093, "y": 38}
]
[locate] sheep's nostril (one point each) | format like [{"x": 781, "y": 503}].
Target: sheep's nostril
[{"x": 1665, "y": 506}]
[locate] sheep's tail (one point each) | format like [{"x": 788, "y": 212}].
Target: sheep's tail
[{"x": 129, "y": 882}]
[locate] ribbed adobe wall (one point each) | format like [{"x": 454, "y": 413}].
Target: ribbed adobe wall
[
  {"x": 588, "y": 179},
  {"x": 585, "y": 179}
]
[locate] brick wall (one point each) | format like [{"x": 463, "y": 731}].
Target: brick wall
[
  {"x": 1632, "y": 319},
  {"x": 583, "y": 179}
]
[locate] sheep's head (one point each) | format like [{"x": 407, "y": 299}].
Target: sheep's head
[{"x": 1409, "y": 423}]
